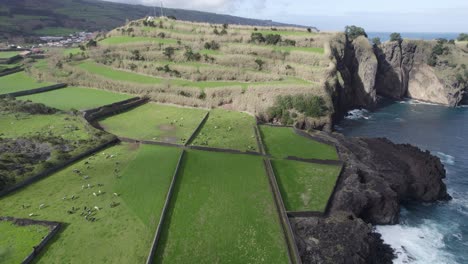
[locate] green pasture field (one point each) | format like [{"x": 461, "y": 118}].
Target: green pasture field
[
  {"x": 303, "y": 49},
  {"x": 19, "y": 82},
  {"x": 155, "y": 122},
  {"x": 17, "y": 242},
  {"x": 25, "y": 125},
  {"x": 117, "y": 75},
  {"x": 222, "y": 211},
  {"x": 228, "y": 129},
  {"x": 72, "y": 51},
  {"x": 305, "y": 186},
  {"x": 125, "y": 223},
  {"x": 55, "y": 31},
  {"x": 128, "y": 39},
  {"x": 79, "y": 98},
  {"x": 282, "y": 142},
  {"x": 8, "y": 54}
]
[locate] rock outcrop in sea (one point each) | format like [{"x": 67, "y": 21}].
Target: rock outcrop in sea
[{"x": 378, "y": 176}]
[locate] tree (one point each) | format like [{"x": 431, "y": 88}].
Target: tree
[
  {"x": 376, "y": 41},
  {"x": 169, "y": 52},
  {"x": 260, "y": 64},
  {"x": 213, "y": 45},
  {"x": 396, "y": 37},
  {"x": 309, "y": 30},
  {"x": 172, "y": 17},
  {"x": 462, "y": 37},
  {"x": 225, "y": 26},
  {"x": 91, "y": 43},
  {"x": 352, "y": 32},
  {"x": 190, "y": 55}
]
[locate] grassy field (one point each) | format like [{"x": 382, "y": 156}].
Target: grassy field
[
  {"x": 155, "y": 122},
  {"x": 305, "y": 186},
  {"x": 222, "y": 211},
  {"x": 284, "y": 32},
  {"x": 19, "y": 82},
  {"x": 128, "y": 39},
  {"x": 8, "y": 54},
  {"x": 124, "y": 226},
  {"x": 282, "y": 142},
  {"x": 79, "y": 98},
  {"x": 304, "y": 49},
  {"x": 17, "y": 242},
  {"x": 55, "y": 31},
  {"x": 126, "y": 76},
  {"x": 228, "y": 129}
]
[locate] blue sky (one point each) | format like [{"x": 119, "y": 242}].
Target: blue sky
[{"x": 387, "y": 16}]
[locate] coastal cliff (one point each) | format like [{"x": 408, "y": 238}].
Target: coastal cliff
[
  {"x": 431, "y": 71},
  {"x": 378, "y": 176}
]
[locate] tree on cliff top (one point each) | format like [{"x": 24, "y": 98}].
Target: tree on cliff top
[
  {"x": 352, "y": 32},
  {"x": 396, "y": 37},
  {"x": 462, "y": 37}
]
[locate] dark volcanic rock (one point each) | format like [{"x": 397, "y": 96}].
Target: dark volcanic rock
[
  {"x": 340, "y": 238},
  {"x": 379, "y": 175}
]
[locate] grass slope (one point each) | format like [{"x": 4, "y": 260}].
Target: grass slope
[
  {"x": 19, "y": 82},
  {"x": 118, "y": 75},
  {"x": 305, "y": 186},
  {"x": 17, "y": 242},
  {"x": 76, "y": 98},
  {"x": 128, "y": 39},
  {"x": 222, "y": 211},
  {"x": 8, "y": 54},
  {"x": 155, "y": 122},
  {"x": 121, "y": 234},
  {"x": 228, "y": 129},
  {"x": 282, "y": 142}
]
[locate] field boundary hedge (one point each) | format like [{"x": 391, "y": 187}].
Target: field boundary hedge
[
  {"x": 258, "y": 137},
  {"x": 37, "y": 249},
  {"x": 199, "y": 127},
  {"x": 317, "y": 161},
  {"x": 11, "y": 71},
  {"x": 48, "y": 172},
  {"x": 157, "y": 235},
  {"x": 231, "y": 151},
  {"x": 37, "y": 90},
  {"x": 148, "y": 142},
  {"x": 11, "y": 59},
  {"x": 94, "y": 114},
  {"x": 286, "y": 225}
]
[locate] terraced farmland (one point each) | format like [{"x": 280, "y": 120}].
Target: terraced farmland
[
  {"x": 8, "y": 54},
  {"x": 227, "y": 129},
  {"x": 79, "y": 98},
  {"x": 305, "y": 186},
  {"x": 282, "y": 142},
  {"x": 156, "y": 123},
  {"x": 19, "y": 82},
  {"x": 222, "y": 212},
  {"x": 123, "y": 227}
]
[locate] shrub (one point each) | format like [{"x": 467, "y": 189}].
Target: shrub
[
  {"x": 161, "y": 35},
  {"x": 396, "y": 37},
  {"x": 169, "y": 52},
  {"x": 257, "y": 37},
  {"x": 260, "y": 64},
  {"x": 91, "y": 43},
  {"x": 309, "y": 105},
  {"x": 289, "y": 42},
  {"x": 309, "y": 30},
  {"x": 190, "y": 55},
  {"x": 225, "y": 26},
  {"x": 172, "y": 17},
  {"x": 439, "y": 49},
  {"x": 352, "y": 32},
  {"x": 272, "y": 39},
  {"x": 213, "y": 45},
  {"x": 376, "y": 41},
  {"x": 451, "y": 42},
  {"x": 223, "y": 32},
  {"x": 432, "y": 60},
  {"x": 215, "y": 31}
]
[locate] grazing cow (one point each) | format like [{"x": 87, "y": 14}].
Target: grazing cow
[
  {"x": 116, "y": 194},
  {"x": 97, "y": 208},
  {"x": 41, "y": 206},
  {"x": 31, "y": 214},
  {"x": 94, "y": 194}
]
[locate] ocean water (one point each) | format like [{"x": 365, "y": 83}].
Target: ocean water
[
  {"x": 428, "y": 233},
  {"x": 384, "y": 36}
]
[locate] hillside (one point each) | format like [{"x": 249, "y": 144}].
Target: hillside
[{"x": 58, "y": 17}]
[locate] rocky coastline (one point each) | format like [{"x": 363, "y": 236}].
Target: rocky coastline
[{"x": 378, "y": 177}]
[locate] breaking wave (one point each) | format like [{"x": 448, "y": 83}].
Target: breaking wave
[
  {"x": 445, "y": 158},
  {"x": 358, "y": 114}
]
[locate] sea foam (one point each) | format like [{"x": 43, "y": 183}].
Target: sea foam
[
  {"x": 358, "y": 114},
  {"x": 445, "y": 158},
  {"x": 417, "y": 244}
]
